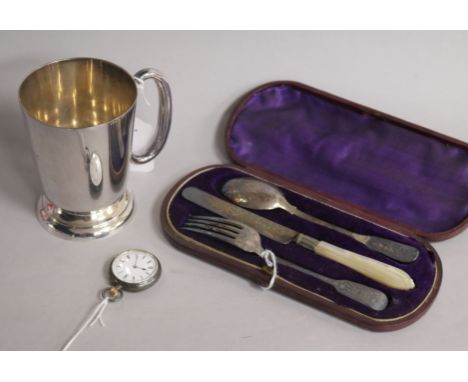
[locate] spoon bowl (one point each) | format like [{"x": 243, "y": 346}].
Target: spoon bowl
[{"x": 254, "y": 194}]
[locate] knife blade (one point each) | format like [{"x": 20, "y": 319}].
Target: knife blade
[
  {"x": 228, "y": 210},
  {"x": 376, "y": 270}
]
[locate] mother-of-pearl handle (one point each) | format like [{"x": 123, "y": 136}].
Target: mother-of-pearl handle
[{"x": 384, "y": 274}]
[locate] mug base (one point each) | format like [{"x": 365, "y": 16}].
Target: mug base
[{"x": 84, "y": 225}]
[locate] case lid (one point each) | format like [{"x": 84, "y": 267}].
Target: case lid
[{"x": 379, "y": 167}]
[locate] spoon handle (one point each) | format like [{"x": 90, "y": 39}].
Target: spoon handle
[
  {"x": 370, "y": 297},
  {"x": 390, "y": 248}
]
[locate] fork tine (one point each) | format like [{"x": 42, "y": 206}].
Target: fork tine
[
  {"x": 211, "y": 227},
  {"x": 212, "y": 223},
  {"x": 212, "y": 234},
  {"x": 220, "y": 220}
]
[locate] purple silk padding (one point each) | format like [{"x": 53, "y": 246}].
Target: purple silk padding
[
  {"x": 401, "y": 302},
  {"x": 407, "y": 176}
]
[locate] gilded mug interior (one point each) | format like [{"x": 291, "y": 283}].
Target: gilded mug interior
[{"x": 78, "y": 93}]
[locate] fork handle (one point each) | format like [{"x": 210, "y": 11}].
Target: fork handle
[
  {"x": 368, "y": 296},
  {"x": 384, "y": 274}
]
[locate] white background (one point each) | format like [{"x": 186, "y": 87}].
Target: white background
[{"x": 47, "y": 284}]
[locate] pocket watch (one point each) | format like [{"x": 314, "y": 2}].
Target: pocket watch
[{"x": 134, "y": 270}]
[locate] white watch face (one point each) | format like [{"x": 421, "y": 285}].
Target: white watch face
[{"x": 135, "y": 267}]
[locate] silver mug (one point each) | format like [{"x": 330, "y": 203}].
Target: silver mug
[{"x": 80, "y": 114}]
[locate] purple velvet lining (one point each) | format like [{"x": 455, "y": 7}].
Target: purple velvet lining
[
  {"x": 402, "y": 174},
  {"x": 401, "y": 302}
]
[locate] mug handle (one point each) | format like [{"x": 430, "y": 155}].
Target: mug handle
[{"x": 165, "y": 113}]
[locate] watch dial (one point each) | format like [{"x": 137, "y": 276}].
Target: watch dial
[{"x": 134, "y": 267}]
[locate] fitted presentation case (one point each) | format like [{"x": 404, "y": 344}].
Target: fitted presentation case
[{"x": 350, "y": 165}]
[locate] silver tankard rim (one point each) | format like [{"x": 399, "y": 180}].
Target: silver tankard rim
[{"x": 71, "y": 59}]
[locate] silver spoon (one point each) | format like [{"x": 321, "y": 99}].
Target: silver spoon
[{"x": 257, "y": 195}]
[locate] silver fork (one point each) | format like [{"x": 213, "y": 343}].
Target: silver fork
[{"x": 248, "y": 239}]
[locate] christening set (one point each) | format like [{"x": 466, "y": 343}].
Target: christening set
[{"x": 329, "y": 202}]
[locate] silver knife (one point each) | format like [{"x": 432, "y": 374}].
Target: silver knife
[{"x": 383, "y": 273}]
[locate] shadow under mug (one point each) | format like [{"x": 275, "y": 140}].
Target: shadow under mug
[{"x": 80, "y": 114}]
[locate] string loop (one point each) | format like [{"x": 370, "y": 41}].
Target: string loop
[
  {"x": 110, "y": 294},
  {"x": 270, "y": 261}
]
